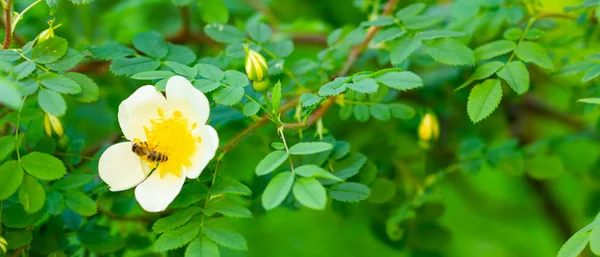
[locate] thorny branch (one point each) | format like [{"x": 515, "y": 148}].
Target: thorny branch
[{"x": 7, "y": 24}]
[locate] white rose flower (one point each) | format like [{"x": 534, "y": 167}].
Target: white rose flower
[{"x": 173, "y": 126}]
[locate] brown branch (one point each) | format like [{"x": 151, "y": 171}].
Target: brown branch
[
  {"x": 7, "y": 25},
  {"x": 356, "y": 51},
  {"x": 18, "y": 251},
  {"x": 328, "y": 103}
]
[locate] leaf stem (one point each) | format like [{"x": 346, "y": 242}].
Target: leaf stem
[
  {"x": 531, "y": 21},
  {"x": 17, "y": 144},
  {"x": 14, "y": 25},
  {"x": 280, "y": 131}
]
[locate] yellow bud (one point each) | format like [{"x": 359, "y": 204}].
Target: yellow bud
[
  {"x": 340, "y": 99},
  {"x": 51, "y": 123},
  {"x": 45, "y": 35},
  {"x": 3, "y": 246},
  {"x": 261, "y": 86},
  {"x": 256, "y": 65},
  {"x": 429, "y": 129}
]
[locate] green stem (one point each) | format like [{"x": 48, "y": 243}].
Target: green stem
[
  {"x": 25, "y": 57},
  {"x": 17, "y": 130},
  {"x": 280, "y": 131},
  {"x": 16, "y": 19},
  {"x": 531, "y": 21},
  {"x": 214, "y": 178}
]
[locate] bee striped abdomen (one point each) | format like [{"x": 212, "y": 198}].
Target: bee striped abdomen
[
  {"x": 144, "y": 151},
  {"x": 155, "y": 156}
]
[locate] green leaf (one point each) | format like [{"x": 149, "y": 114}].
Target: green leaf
[
  {"x": 110, "y": 51},
  {"x": 482, "y": 72},
  {"x": 7, "y": 146},
  {"x": 202, "y": 248},
  {"x": 585, "y": 4},
  {"x": 180, "y": 54},
  {"x": 220, "y": 231},
  {"x": 18, "y": 238},
  {"x": 55, "y": 203},
  {"x": 513, "y": 34},
  {"x": 591, "y": 74},
  {"x": 227, "y": 208},
  {"x": 251, "y": 108},
  {"x": 493, "y": 49},
  {"x": 223, "y": 33},
  {"x": 227, "y": 185},
  {"x": 213, "y": 11},
  {"x": 183, "y": 70},
  {"x": 175, "y": 220},
  {"x": 206, "y": 85},
  {"x": 310, "y": 193},
  {"x": 24, "y": 69},
  {"x": 80, "y": 203},
  {"x": 31, "y": 194},
  {"x": 89, "y": 89},
  {"x": 402, "y": 80},
  {"x": 210, "y": 72},
  {"x": 450, "y": 51},
  {"x": 380, "y": 111},
  {"x": 516, "y": 75},
  {"x": 311, "y": 170},
  {"x": 349, "y": 192},
  {"x": 410, "y": 11},
  {"x": 70, "y": 60},
  {"x": 177, "y": 238},
  {"x": 382, "y": 190},
  {"x": 49, "y": 50},
  {"x": 11, "y": 96},
  {"x": 11, "y": 177},
  {"x": 277, "y": 190},
  {"x": 151, "y": 43},
  {"x": 271, "y": 162},
  {"x": 258, "y": 31},
  {"x": 59, "y": 83},
  {"x": 308, "y": 100},
  {"x": 9, "y": 55},
  {"x": 43, "y": 166},
  {"x": 590, "y": 100},
  {"x": 422, "y": 21},
  {"x": 228, "y": 95},
  {"x": 542, "y": 166},
  {"x": 574, "y": 245},
  {"x": 403, "y": 49},
  {"x": 190, "y": 194},
  {"x": 361, "y": 113},
  {"x": 305, "y": 148},
  {"x": 52, "y": 102},
  {"x": 484, "y": 99},
  {"x": 435, "y": 34},
  {"x": 130, "y": 66},
  {"x": 282, "y": 48},
  {"x": 532, "y": 52},
  {"x": 388, "y": 34},
  {"x": 276, "y": 97},
  {"x": 595, "y": 240},
  {"x": 235, "y": 78},
  {"x": 152, "y": 75},
  {"x": 366, "y": 85},
  {"x": 15, "y": 216},
  {"x": 334, "y": 87}
]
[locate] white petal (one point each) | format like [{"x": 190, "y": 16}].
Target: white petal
[
  {"x": 156, "y": 193},
  {"x": 136, "y": 111},
  {"x": 205, "y": 150},
  {"x": 192, "y": 103},
  {"x": 120, "y": 168}
]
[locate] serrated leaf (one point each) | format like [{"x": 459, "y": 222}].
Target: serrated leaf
[
  {"x": 224, "y": 33},
  {"x": 55, "y": 203},
  {"x": 151, "y": 43},
  {"x": 190, "y": 193},
  {"x": 177, "y": 238},
  {"x": 80, "y": 203},
  {"x": 380, "y": 111},
  {"x": 24, "y": 69},
  {"x": 235, "y": 78},
  {"x": 282, "y": 48},
  {"x": 175, "y": 220},
  {"x": 309, "y": 100},
  {"x": 52, "y": 102},
  {"x": 574, "y": 245},
  {"x": 314, "y": 171},
  {"x": 450, "y": 51},
  {"x": 388, "y": 34},
  {"x": 305, "y": 148},
  {"x": 349, "y": 192},
  {"x": 484, "y": 99},
  {"x": 276, "y": 97},
  {"x": 277, "y": 190},
  {"x": 210, "y": 72},
  {"x": 68, "y": 61},
  {"x": 482, "y": 72},
  {"x": 59, "y": 83},
  {"x": 258, "y": 31},
  {"x": 43, "y": 166},
  {"x": 410, "y": 11},
  {"x": 49, "y": 50},
  {"x": 334, "y": 87},
  {"x": 435, "y": 34},
  {"x": 31, "y": 194},
  {"x": 422, "y": 21},
  {"x": 228, "y": 95},
  {"x": 402, "y": 80},
  {"x": 183, "y": 70},
  {"x": 180, "y": 54},
  {"x": 11, "y": 96},
  {"x": 367, "y": 86},
  {"x": 493, "y": 49},
  {"x": 591, "y": 73},
  {"x": 516, "y": 75},
  {"x": 271, "y": 162},
  {"x": 89, "y": 89},
  {"x": 15, "y": 216},
  {"x": 7, "y": 146},
  {"x": 227, "y": 208},
  {"x": 110, "y": 51},
  {"x": 9, "y": 55},
  {"x": 403, "y": 49},
  {"x": 152, "y": 75},
  {"x": 11, "y": 176},
  {"x": 251, "y": 108},
  {"x": 17, "y": 238},
  {"x": 361, "y": 113},
  {"x": 130, "y": 66},
  {"x": 230, "y": 186},
  {"x": 310, "y": 193},
  {"x": 574, "y": 68},
  {"x": 532, "y": 52},
  {"x": 220, "y": 231},
  {"x": 202, "y": 248},
  {"x": 206, "y": 85}
]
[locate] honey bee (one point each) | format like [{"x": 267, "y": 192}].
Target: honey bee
[{"x": 148, "y": 152}]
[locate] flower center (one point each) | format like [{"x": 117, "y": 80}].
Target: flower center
[{"x": 171, "y": 136}]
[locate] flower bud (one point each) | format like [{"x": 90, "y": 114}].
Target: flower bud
[
  {"x": 3, "y": 246},
  {"x": 256, "y": 65},
  {"x": 261, "y": 86},
  {"x": 48, "y": 33},
  {"x": 429, "y": 129},
  {"x": 51, "y": 123}
]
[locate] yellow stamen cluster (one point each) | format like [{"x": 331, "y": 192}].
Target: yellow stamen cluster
[{"x": 172, "y": 136}]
